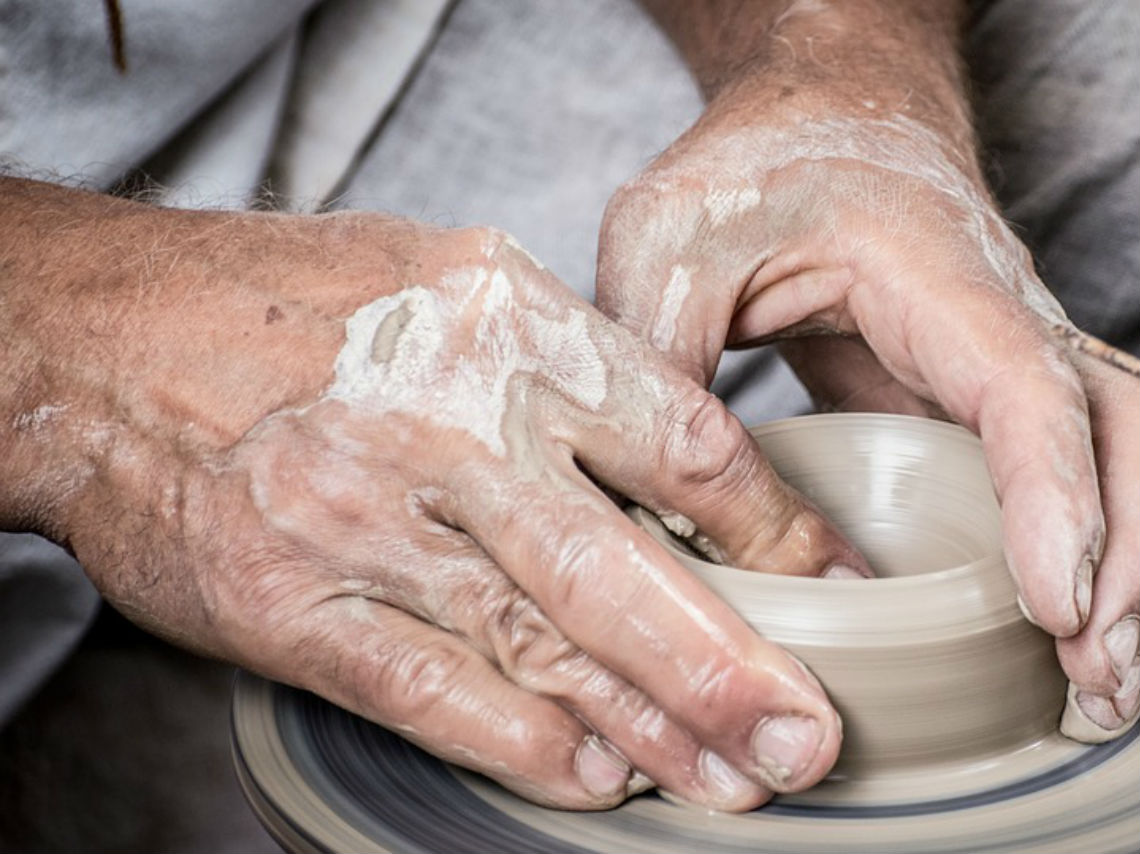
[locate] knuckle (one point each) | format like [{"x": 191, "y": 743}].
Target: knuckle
[
  {"x": 413, "y": 679},
  {"x": 575, "y": 570},
  {"x": 533, "y": 737},
  {"x": 530, "y": 649},
  {"x": 638, "y": 210},
  {"x": 628, "y": 200},
  {"x": 1057, "y": 369},
  {"x": 492, "y": 238},
  {"x": 794, "y": 532},
  {"x": 497, "y": 245},
  {"x": 714, "y": 692},
  {"x": 704, "y": 445}
]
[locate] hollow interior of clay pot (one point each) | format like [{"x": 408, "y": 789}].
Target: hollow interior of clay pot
[
  {"x": 915, "y": 498},
  {"x": 932, "y": 662}
]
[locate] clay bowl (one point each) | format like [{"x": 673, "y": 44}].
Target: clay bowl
[{"x": 933, "y": 667}]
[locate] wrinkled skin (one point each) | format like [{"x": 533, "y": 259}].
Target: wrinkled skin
[
  {"x": 350, "y": 453},
  {"x": 865, "y": 242}
]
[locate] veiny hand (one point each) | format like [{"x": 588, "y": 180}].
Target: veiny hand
[
  {"x": 866, "y": 240},
  {"x": 350, "y": 453}
]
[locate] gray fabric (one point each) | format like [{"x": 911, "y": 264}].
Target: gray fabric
[
  {"x": 526, "y": 115},
  {"x": 65, "y": 108},
  {"x": 1057, "y": 93},
  {"x": 126, "y": 750},
  {"x": 355, "y": 59},
  {"x": 46, "y": 604},
  {"x": 219, "y": 159}
]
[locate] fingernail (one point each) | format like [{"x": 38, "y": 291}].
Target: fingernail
[
  {"x": 1025, "y": 612},
  {"x": 784, "y": 747},
  {"x": 1083, "y": 592},
  {"x": 724, "y": 780},
  {"x": 1121, "y": 642},
  {"x": 678, "y": 801},
  {"x": 1099, "y": 710},
  {"x": 601, "y": 769},
  {"x": 839, "y": 571},
  {"x": 682, "y": 526},
  {"x": 638, "y": 783},
  {"x": 1112, "y": 712},
  {"x": 707, "y": 547},
  {"x": 1092, "y": 719},
  {"x": 1127, "y": 699}
]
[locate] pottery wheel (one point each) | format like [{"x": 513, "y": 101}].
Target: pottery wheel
[{"x": 950, "y": 699}]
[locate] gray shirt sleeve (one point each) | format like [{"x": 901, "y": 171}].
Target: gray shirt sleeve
[{"x": 46, "y": 604}]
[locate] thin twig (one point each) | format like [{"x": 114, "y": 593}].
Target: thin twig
[{"x": 1082, "y": 342}]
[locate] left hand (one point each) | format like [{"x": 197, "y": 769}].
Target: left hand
[
  {"x": 350, "y": 452},
  {"x": 874, "y": 234}
]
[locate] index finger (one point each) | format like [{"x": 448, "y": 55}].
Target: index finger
[{"x": 996, "y": 370}]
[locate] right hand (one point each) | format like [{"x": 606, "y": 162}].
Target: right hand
[
  {"x": 348, "y": 453},
  {"x": 867, "y": 243}
]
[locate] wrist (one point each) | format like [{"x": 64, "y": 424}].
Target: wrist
[
  {"x": 51, "y": 373},
  {"x": 128, "y": 331},
  {"x": 117, "y": 322},
  {"x": 783, "y": 62}
]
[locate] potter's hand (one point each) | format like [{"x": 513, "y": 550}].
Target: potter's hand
[
  {"x": 831, "y": 190},
  {"x": 348, "y": 452}
]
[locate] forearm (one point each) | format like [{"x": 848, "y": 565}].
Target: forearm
[
  {"x": 122, "y": 324},
  {"x": 46, "y": 245},
  {"x": 858, "y": 57}
]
